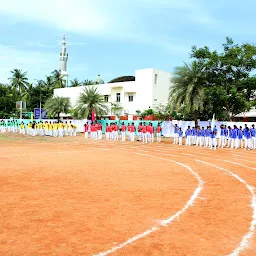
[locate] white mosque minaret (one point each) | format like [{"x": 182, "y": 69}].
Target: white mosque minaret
[{"x": 63, "y": 61}]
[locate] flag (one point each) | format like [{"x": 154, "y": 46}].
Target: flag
[
  {"x": 213, "y": 122},
  {"x": 93, "y": 116}
]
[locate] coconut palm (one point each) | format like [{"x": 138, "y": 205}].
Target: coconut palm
[
  {"x": 58, "y": 80},
  {"x": 49, "y": 82},
  {"x": 75, "y": 83},
  {"x": 187, "y": 89},
  {"x": 56, "y": 105},
  {"x": 88, "y": 82},
  {"x": 88, "y": 100},
  {"x": 28, "y": 93},
  {"x": 19, "y": 81}
]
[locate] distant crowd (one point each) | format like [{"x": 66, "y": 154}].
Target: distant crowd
[
  {"x": 145, "y": 133},
  {"x": 230, "y": 137},
  {"x": 54, "y": 129}
]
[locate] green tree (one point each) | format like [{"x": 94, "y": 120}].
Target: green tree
[
  {"x": 57, "y": 78},
  {"x": 75, "y": 83},
  {"x": 88, "y": 82},
  {"x": 228, "y": 76},
  {"x": 187, "y": 89},
  {"x": 8, "y": 97},
  {"x": 56, "y": 105},
  {"x": 19, "y": 81},
  {"x": 88, "y": 100}
]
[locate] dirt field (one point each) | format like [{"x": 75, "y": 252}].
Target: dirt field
[{"x": 71, "y": 196}]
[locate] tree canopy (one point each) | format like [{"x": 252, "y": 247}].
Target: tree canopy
[
  {"x": 56, "y": 105},
  {"x": 225, "y": 84},
  {"x": 88, "y": 100}
]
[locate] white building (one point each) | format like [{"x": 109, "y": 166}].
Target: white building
[{"x": 147, "y": 89}]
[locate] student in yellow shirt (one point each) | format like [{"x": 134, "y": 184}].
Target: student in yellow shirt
[
  {"x": 60, "y": 129},
  {"x": 70, "y": 129},
  {"x": 46, "y": 128},
  {"x": 29, "y": 131},
  {"x": 41, "y": 130},
  {"x": 36, "y": 130},
  {"x": 50, "y": 127},
  {"x": 55, "y": 129},
  {"x": 22, "y": 128},
  {"x": 66, "y": 129},
  {"x": 74, "y": 130}
]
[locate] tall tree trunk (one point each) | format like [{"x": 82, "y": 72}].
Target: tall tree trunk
[
  {"x": 58, "y": 116},
  {"x": 19, "y": 93},
  {"x": 196, "y": 117}
]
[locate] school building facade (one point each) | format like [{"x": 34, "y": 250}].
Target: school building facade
[{"x": 147, "y": 89}]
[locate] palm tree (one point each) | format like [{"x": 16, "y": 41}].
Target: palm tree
[
  {"x": 56, "y": 105},
  {"x": 28, "y": 93},
  {"x": 75, "y": 83},
  {"x": 90, "y": 99},
  {"x": 19, "y": 81},
  {"x": 88, "y": 82},
  {"x": 187, "y": 91},
  {"x": 58, "y": 79},
  {"x": 49, "y": 82}
]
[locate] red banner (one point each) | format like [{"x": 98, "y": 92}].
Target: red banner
[{"x": 93, "y": 116}]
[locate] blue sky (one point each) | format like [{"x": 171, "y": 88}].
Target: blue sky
[{"x": 115, "y": 37}]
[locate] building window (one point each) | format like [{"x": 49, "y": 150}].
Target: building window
[
  {"x": 155, "y": 78},
  {"x": 130, "y": 98},
  {"x": 106, "y": 98},
  {"x": 118, "y": 97}
]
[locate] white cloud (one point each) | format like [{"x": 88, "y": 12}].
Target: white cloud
[
  {"x": 115, "y": 18},
  {"x": 67, "y": 15},
  {"x": 143, "y": 21}
]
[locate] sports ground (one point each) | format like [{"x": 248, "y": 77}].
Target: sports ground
[{"x": 71, "y": 196}]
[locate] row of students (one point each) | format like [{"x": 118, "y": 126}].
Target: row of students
[
  {"x": 238, "y": 137},
  {"x": 229, "y": 137},
  {"x": 145, "y": 133},
  {"x": 55, "y": 129}
]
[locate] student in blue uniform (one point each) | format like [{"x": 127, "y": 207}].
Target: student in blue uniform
[
  {"x": 198, "y": 135},
  {"x": 213, "y": 140},
  {"x": 234, "y": 137},
  {"x": 247, "y": 135},
  {"x": 180, "y": 133},
  {"x": 239, "y": 139},
  {"x": 230, "y": 134},
  {"x": 253, "y": 137},
  {"x": 222, "y": 136},
  {"x": 202, "y": 139},
  {"x": 226, "y": 135},
  {"x": 193, "y": 135},
  {"x": 188, "y": 134},
  {"x": 208, "y": 136},
  {"x": 176, "y": 134},
  {"x": 244, "y": 131}
]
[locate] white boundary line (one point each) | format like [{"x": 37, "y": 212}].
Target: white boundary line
[
  {"x": 244, "y": 244},
  {"x": 240, "y": 164},
  {"x": 165, "y": 222}
]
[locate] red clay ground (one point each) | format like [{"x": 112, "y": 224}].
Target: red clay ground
[{"x": 71, "y": 196}]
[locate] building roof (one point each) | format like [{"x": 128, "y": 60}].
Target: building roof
[
  {"x": 122, "y": 79},
  {"x": 251, "y": 113}
]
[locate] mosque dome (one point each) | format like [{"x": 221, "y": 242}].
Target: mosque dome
[{"x": 99, "y": 80}]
